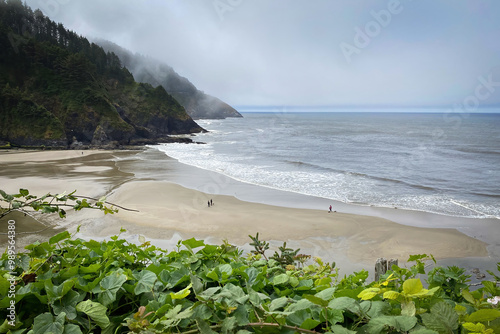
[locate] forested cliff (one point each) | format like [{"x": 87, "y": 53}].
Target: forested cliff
[
  {"x": 197, "y": 103},
  {"x": 59, "y": 90}
]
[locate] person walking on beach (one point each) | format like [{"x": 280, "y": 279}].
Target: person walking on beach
[
  {"x": 208, "y": 203},
  {"x": 330, "y": 209},
  {"x": 211, "y": 203}
]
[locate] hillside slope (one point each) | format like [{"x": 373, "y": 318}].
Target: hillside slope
[
  {"x": 197, "y": 104},
  {"x": 58, "y": 89}
]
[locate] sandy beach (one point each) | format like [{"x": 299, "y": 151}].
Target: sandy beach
[{"x": 168, "y": 211}]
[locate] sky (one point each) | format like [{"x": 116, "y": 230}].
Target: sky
[{"x": 431, "y": 53}]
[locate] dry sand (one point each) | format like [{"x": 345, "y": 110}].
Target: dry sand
[{"x": 168, "y": 211}]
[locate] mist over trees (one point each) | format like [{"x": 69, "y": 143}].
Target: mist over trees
[{"x": 145, "y": 69}]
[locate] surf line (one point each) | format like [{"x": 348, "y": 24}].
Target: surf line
[{"x": 481, "y": 213}]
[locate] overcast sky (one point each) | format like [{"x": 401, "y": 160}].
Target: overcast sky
[{"x": 309, "y": 52}]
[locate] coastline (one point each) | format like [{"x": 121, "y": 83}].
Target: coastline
[{"x": 172, "y": 199}]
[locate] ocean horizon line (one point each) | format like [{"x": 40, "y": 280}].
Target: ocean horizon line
[{"x": 360, "y": 109}]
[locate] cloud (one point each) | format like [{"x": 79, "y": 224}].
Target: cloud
[{"x": 288, "y": 53}]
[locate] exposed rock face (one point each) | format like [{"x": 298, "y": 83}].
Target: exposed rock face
[{"x": 197, "y": 104}]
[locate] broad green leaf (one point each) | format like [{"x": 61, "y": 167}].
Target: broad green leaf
[
  {"x": 408, "y": 308},
  {"x": 310, "y": 323},
  {"x": 46, "y": 324},
  {"x": 335, "y": 316},
  {"x": 369, "y": 293},
  {"x": 208, "y": 293},
  {"x": 387, "y": 324},
  {"x": 302, "y": 304},
  {"x": 393, "y": 295},
  {"x": 375, "y": 308},
  {"x": 442, "y": 318},
  {"x": 91, "y": 269},
  {"x": 479, "y": 327},
  {"x": 110, "y": 286},
  {"x": 241, "y": 315},
  {"x": 278, "y": 303},
  {"x": 294, "y": 281},
  {"x": 96, "y": 312},
  {"x": 213, "y": 275},
  {"x": 468, "y": 297},
  {"x": 412, "y": 286},
  {"x": 175, "y": 276},
  {"x": 326, "y": 294},
  {"x": 280, "y": 279},
  {"x": 297, "y": 318},
  {"x": 202, "y": 311},
  {"x": 337, "y": 329},
  {"x": 193, "y": 243},
  {"x": 24, "y": 192},
  {"x": 146, "y": 280},
  {"x": 228, "y": 324},
  {"x": 203, "y": 327},
  {"x": 316, "y": 300},
  {"x": 197, "y": 284},
  {"x": 67, "y": 304},
  {"x": 181, "y": 294},
  {"x": 72, "y": 329},
  {"x": 345, "y": 303},
  {"x": 225, "y": 270},
  {"x": 484, "y": 315},
  {"x": 422, "y": 330},
  {"x": 58, "y": 237}
]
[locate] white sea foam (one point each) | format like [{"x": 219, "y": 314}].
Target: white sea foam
[{"x": 370, "y": 168}]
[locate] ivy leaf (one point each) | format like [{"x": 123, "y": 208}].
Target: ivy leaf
[
  {"x": 45, "y": 323},
  {"x": 72, "y": 329},
  {"x": 110, "y": 286},
  {"x": 96, "y": 311},
  {"x": 146, "y": 280},
  {"x": 67, "y": 304}
]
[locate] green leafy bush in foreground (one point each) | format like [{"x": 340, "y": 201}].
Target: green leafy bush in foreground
[{"x": 69, "y": 285}]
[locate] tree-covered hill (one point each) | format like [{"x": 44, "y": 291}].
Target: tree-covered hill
[
  {"x": 197, "y": 103},
  {"x": 57, "y": 88}
]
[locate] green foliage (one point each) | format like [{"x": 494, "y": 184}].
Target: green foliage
[
  {"x": 77, "y": 286},
  {"x": 49, "y": 203}
]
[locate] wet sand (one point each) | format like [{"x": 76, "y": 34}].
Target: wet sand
[{"x": 169, "y": 211}]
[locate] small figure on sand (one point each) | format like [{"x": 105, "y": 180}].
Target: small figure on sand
[
  {"x": 211, "y": 203},
  {"x": 208, "y": 203},
  {"x": 330, "y": 209}
]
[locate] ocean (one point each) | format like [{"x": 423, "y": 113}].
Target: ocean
[{"x": 445, "y": 163}]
